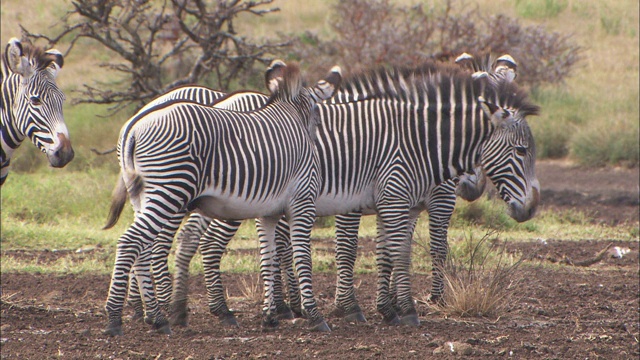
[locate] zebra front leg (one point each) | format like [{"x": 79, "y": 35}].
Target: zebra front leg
[
  {"x": 188, "y": 239},
  {"x": 301, "y": 221},
  {"x": 397, "y": 228},
  {"x": 285, "y": 257},
  {"x": 268, "y": 269},
  {"x": 212, "y": 246},
  {"x": 384, "y": 266},
  {"x": 440, "y": 207},
  {"x": 346, "y": 252}
]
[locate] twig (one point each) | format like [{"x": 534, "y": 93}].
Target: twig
[
  {"x": 106, "y": 152},
  {"x": 588, "y": 262}
]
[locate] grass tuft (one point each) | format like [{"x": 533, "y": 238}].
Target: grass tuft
[{"x": 479, "y": 281}]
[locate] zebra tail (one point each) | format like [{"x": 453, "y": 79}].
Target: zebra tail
[{"x": 120, "y": 196}]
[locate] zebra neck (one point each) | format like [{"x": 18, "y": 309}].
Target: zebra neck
[{"x": 11, "y": 133}]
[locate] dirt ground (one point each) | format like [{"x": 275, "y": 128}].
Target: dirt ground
[{"x": 558, "y": 312}]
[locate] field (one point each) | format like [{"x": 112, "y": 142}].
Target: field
[
  {"x": 55, "y": 262},
  {"x": 558, "y": 311}
]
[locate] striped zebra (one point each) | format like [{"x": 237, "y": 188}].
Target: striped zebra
[
  {"x": 494, "y": 84},
  {"x": 442, "y": 201},
  {"x": 31, "y": 104},
  {"x": 181, "y": 156},
  {"x": 236, "y": 101}
]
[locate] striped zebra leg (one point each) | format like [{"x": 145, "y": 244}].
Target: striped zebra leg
[
  {"x": 160, "y": 261},
  {"x": 142, "y": 273},
  {"x": 187, "y": 240},
  {"x": 393, "y": 287},
  {"x": 285, "y": 259},
  {"x": 346, "y": 252},
  {"x": 301, "y": 219},
  {"x": 384, "y": 267},
  {"x": 134, "y": 298},
  {"x": 212, "y": 246},
  {"x": 268, "y": 268},
  {"x": 440, "y": 208},
  {"x": 130, "y": 245}
]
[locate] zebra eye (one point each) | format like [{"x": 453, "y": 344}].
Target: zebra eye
[
  {"x": 521, "y": 150},
  {"x": 35, "y": 101}
]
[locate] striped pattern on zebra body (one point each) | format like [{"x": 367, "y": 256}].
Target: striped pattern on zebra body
[
  {"x": 182, "y": 156},
  {"x": 31, "y": 104},
  {"x": 433, "y": 217}
]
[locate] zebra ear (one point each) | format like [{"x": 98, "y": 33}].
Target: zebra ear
[
  {"x": 330, "y": 84},
  {"x": 465, "y": 61},
  {"x": 507, "y": 65},
  {"x": 275, "y": 75},
  {"x": 18, "y": 63},
  {"x": 496, "y": 114}
]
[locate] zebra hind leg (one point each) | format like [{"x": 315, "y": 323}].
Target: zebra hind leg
[
  {"x": 134, "y": 298},
  {"x": 154, "y": 315}
]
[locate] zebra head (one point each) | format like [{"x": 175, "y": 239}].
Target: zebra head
[
  {"x": 472, "y": 185},
  {"x": 36, "y": 110},
  {"x": 284, "y": 81},
  {"x": 509, "y": 154}
]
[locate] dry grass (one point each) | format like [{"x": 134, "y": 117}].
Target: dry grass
[{"x": 481, "y": 283}]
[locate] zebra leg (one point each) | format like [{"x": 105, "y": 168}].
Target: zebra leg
[
  {"x": 401, "y": 276},
  {"x": 160, "y": 261},
  {"x": 268, "y": 268},
  {"x": 384, "y": 265},
  {"x": 130, "y": 245},
  {"x": 212, "y": 246},
  {"x": 393, "y": 287},
  {"x": 142, "y": 270},
  {"x": 187, "y": 240},
  {"x": 346, "y": 252},
  {"x": 285, "y": 255},
  {"x": 301, "y": 221},
  {"x": 440, "y": 208},
  {"x": 134, "y": 299}
]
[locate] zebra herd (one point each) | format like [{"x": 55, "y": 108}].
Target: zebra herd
[{"x": 390, "y": 141}]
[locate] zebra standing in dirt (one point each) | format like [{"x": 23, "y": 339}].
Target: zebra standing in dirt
[
  {"x": 182, "y": 156},
  {"x": 31, "y": 104},
  {"x": 413, "y": 96}
]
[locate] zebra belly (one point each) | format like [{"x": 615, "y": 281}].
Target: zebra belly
[
  {"x": 228, "y": 208},
  {"x": 332, "y": 204}
]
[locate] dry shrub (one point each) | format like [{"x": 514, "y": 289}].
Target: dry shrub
[
  {"x": 251, "y": 289},
  {"x": 480, "y": 282},
  {"x": 372, "y": 33}
]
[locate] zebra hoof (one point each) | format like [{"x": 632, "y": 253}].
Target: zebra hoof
[
  {"x": 179, "y": 319},
  {"x": 270, "y": 323},
  {"x": 149, "y": 320},
  {"x": 164, "y": 329},
  {"x": 356, "y": 317},
  {"x": 137, "y": 316},
  {"x": 113, "y": 330},
  {"x": 410, "y": 320},
  {"x": 321, "y": 326},
  {"x": 285, "y": 314},
  {"x": 392, "y": 321},
  {"x": 228, "y": 320}
]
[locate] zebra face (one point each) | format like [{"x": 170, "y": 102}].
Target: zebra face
[
  {"x": 37, "y": 106},
  {"x": 508, "y": 158}
]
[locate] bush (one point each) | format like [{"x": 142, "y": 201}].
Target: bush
[
  {"x": 379, "y": 32},
  {"x": 614, "y": 142}
]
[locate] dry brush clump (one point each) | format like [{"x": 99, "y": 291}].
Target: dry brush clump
[
  {"x": 379, "y": 32},
  {"x": 481, "y": 278}
]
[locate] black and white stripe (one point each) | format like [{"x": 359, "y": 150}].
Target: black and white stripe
[
  {"x": 182, "y": 156},
  {"x": 31, "y": 104}
]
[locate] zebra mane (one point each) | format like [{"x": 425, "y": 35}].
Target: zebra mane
[{"x": 412, "y": 85}]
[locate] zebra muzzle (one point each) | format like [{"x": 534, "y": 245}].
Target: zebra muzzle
[{"x": 63, "y": 154}]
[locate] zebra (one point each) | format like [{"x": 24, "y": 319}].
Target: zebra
[
  {"x": 530, "y": 177},
  {"x": 442, "y": 199},
  {"x": 31, "y": 104},
  {"x": 182, "y": 156},
  {"x": 236, "y": 101}
]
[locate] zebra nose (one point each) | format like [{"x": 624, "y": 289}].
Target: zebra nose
[{"x": 64, "y": 154}]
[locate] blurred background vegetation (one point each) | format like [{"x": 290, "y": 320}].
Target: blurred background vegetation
[{"x": 579, "y": 59}]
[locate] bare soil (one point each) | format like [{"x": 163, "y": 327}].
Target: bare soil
[{"x": 558, "y": 311}]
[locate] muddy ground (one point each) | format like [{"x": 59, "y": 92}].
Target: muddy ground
[{"x": 558, "y": 310}]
